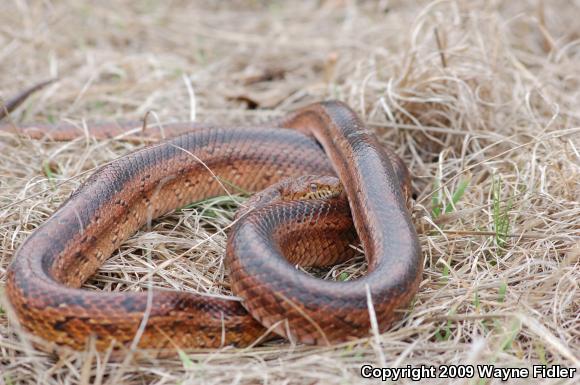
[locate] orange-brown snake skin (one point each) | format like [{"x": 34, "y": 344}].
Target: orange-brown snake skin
[{"x": 268, "y": 239}]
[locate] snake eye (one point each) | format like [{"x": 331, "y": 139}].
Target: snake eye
[{"x": 313, "y": 187}]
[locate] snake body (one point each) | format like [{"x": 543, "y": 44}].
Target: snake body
[{"x": 44, "y": 280}]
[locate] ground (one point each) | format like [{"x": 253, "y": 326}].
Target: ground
[{"x": 479, "y": 98}]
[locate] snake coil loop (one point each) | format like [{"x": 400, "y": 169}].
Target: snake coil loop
[{"x": 44, "y": 280}]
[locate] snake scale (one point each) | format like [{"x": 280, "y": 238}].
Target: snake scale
[{"x": 303, "y": 215}]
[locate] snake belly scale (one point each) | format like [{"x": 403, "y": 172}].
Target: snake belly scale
[{"x": 326, "y": 139}]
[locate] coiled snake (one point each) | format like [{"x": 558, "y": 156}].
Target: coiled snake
[{"x": 307, "y": 219}]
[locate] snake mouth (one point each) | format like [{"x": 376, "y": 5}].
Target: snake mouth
[
  {"x": 316, "y": 191},
  {"x": 323, "y": 193},
  {"x": 311, "y": 188}
]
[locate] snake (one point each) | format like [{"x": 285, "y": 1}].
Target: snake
[{"x": 323, "y": 181}]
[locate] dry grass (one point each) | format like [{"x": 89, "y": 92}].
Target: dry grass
[{"x": 479, "y": 98}]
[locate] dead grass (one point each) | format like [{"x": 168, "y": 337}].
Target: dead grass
[{"x": 481, "y": 100}]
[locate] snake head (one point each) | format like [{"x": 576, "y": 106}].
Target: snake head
[
  {"x": 312, "y": 187},
  {"x": 307, "y": 187}
]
